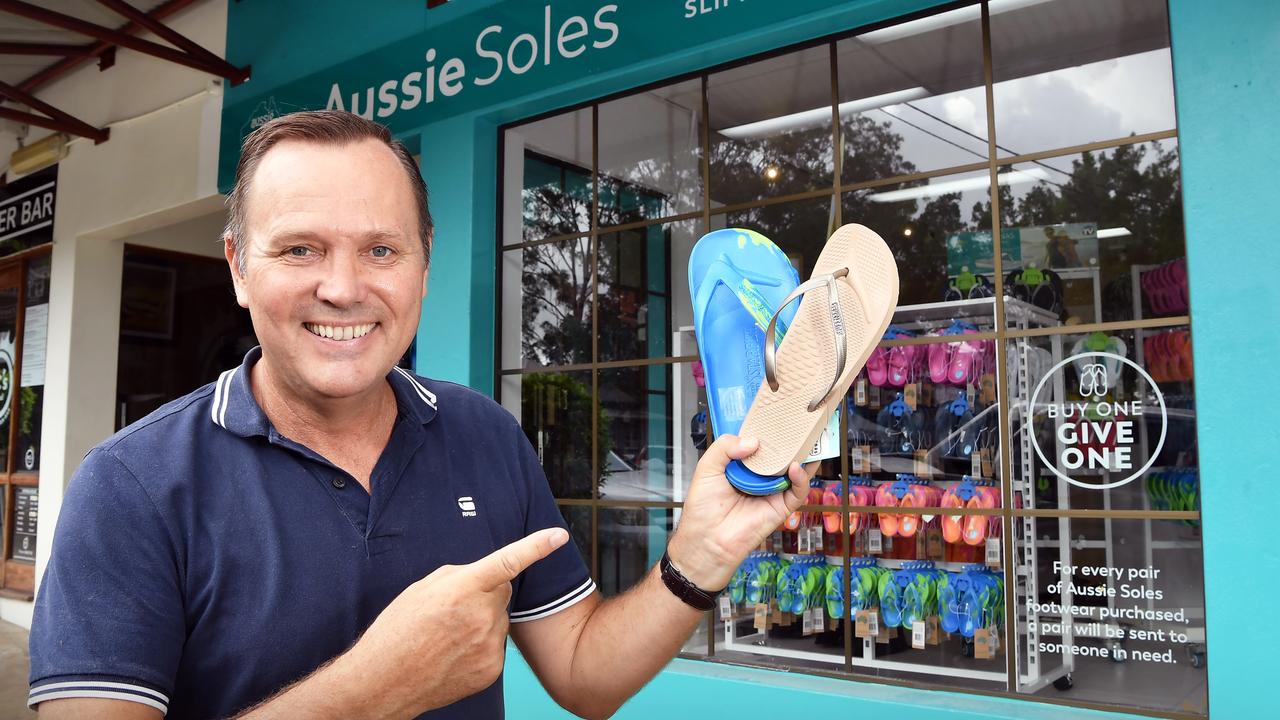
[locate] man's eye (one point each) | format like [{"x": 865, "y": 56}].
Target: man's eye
[
  {"x": 299, "y": 251},
  {"x": 381, "y": 251}
]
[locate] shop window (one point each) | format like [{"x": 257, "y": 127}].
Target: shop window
[
  {"x": 24, "y": 321},
  {"x": 1042, "y": 386},
  {"x": 177, "y": 328}
]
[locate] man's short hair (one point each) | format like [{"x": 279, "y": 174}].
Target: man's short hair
[{"x": 326, "y": 127}]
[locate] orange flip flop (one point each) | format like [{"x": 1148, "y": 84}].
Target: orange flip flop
[{"x": 833, "y": 334}]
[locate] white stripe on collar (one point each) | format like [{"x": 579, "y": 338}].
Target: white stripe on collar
[
  {"x": 218, "y": 393},
  {"x": 427, "y": 396},
  {"x": 226, "y": 398}
]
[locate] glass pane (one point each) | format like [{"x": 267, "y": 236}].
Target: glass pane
[
  {"x": 799, "y": 228},
  {"x": 649, "y": 431},
  {"x": 555, "y": 412},
  {"x": 1117, "y": 606},
  {"x": 1114, "y": 425},
  {"x": 651, "y": 154},
  {"x": 546, "y": 304},
  {"x": 34, "y": 334},
  {"x": 1068, "y": 73},
  {"x": 8, "y": 355},
  {"x": 632, "y": 541},
  {"x": 547, "y": 183},
  {"x": 643, "y": 286},
  {"x": 938, "y": 229},
  {"x": 578, "y": 518},
  {"x": 912, "y": 98},
  {"x": 771, "y": 127},
  {"x": 1099, "y": 222}
]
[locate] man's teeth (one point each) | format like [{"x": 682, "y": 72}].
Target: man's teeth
[{"x": 340, "y": 332}]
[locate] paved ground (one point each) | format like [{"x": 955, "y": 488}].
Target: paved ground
[{"x": 13, "y": 672}]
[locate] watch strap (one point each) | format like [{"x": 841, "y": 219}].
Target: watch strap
[{"x": 683, "y": 588}]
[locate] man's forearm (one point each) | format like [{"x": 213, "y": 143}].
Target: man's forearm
[{"x": 627, "y": 640}]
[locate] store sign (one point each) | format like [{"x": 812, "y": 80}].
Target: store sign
[
  {"x": 26, "y": 211},
  {"x": 1097, "y": 436},
  {"x": 497, "y": 53}
]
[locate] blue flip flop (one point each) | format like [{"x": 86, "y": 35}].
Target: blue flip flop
[{"x": 738, "y": 278}]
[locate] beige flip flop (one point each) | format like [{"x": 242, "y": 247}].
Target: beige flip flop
[{"x": 829, "y": 341}]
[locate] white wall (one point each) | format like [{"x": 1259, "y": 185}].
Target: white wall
[{"x": 153, "y": 183}]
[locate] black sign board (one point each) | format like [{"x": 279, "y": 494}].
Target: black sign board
[
  {"x": 26, "y": 509},
  {"x": 26, "y": 211}
]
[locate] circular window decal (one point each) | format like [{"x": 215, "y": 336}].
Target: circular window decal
[{"x": 1095, "y": 382}]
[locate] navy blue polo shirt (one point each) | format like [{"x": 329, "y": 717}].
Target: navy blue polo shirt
[{"x": 202, "y": 561}]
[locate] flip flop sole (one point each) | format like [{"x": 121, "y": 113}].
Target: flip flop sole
[{"x": 806, "y": 359}]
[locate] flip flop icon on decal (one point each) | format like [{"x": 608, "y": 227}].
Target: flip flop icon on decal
[{"x": 1093, "y": 380}]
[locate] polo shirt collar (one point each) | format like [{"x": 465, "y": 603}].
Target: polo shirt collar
[{"x": 234, "y": 407}]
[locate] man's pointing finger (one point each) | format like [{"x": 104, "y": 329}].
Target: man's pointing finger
[{"x": 504, "y": 564}]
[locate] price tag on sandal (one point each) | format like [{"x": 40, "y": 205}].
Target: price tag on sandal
[
  {"x": 856, "y": 458},
  {"x": 993, "y": 552},
  {"x": 802, "y": 541},
  {"x": 911, "y": 395},
  {"x": 807, "y": 625},
  {"x": 862, "y": 624},
  {"x": 875, "y": 542},
  {"x": 817, "y": 539},
  {"x": 922, "y": 464},
  {"x": 931, "y": 630},
  {"x": 918, "y": 635},
  {"x": 934, "y": 548},
  {"x": 874, "y": 399},
  {"x": 875, "y": 459},
  {"x": 975, "y": 465},
  {"x": 860, "y": 392},
  {"x": 985, "y": 454},
  {"x": 761, "y": 619},
  {"x": 726, "y": 606},
  {"x": 969, "y": 394}
]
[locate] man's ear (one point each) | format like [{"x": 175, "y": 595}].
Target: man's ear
[{"x": 233, "y": 262}]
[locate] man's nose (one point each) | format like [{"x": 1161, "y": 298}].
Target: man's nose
[{"x": 342, "y": 283}]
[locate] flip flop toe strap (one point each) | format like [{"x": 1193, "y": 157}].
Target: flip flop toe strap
[{"x": 827, "y": 280}]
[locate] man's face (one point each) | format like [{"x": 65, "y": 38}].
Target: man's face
[{"x": 334, "y": 269}]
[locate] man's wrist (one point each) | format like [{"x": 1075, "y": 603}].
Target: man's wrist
[{"x": 700, "y": 567}]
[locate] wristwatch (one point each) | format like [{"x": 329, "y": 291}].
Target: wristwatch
[{"x": 683, "y": 588}]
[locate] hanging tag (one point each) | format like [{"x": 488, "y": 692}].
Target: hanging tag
[
  {"x": 862, "y": 624},
  {"x": 875, "y": 459},
  {"x": 776, "y": 542},
  {"x": 802, "y": 541},
  {"x": 993, "y": 552},
  {"x": 874, "y": 399},
  {"x": 931, "y": 633},
  {"x": 918, "y": 635},
  {"x": 969, "y": 395},
  {"x": 988, "y": 393},
  {"x": 875, "y": 542},
  {"x": 886, "y": 634},
  {"x": 833, "y": 623},
  {"x": 866, "y": 458},
  {"x": 856, "y": 458},
  {"x": 888, "y": 544},
  {"x": 934, "y": 549},
  {"x": 975, "y": 465},
  {"x": 922, "y": 464},
  {"x": 818, "y": 541},
  {"x": 761, "y": 619},
  {"x": 806, "y": 627},
  {"x": 911, "y": 395},
  {"x": 775, "y": 612},
  {"x": 860, "y": 392},
  {"x": 726, "y": 606},
  {"x": 982, "y": 648},
  {"x": 986, "y": 463}
]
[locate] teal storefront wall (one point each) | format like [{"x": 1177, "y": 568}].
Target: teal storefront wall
[{"x": 1225, "y": 54}]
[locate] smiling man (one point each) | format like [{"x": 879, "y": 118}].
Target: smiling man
[{"x": 320, "y": 534}]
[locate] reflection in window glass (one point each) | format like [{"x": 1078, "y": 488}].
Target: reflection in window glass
[
  {"x": 555, "y": 413},
  {"x": 632, "y": 540},
  {"x": 651, "y": 154},
  {"x": 642, "y": 281},
  {"x": 547, "y": 186},
  {"x": 1093, "y": 219},
  {"x": 548, "y": 287},
  {"x": 1068, "y": 73},
  {"x": 929, "y": 224},
  {"x": 1117, "y": 604},
  {"x": 31, "y": 394},
  {"x": 912, "y": 99},
  {"x": 771, "y": 128},
  {"x": 799, "y": 228}
]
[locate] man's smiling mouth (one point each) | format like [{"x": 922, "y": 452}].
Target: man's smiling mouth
[{"x": 340, "y": 332}]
